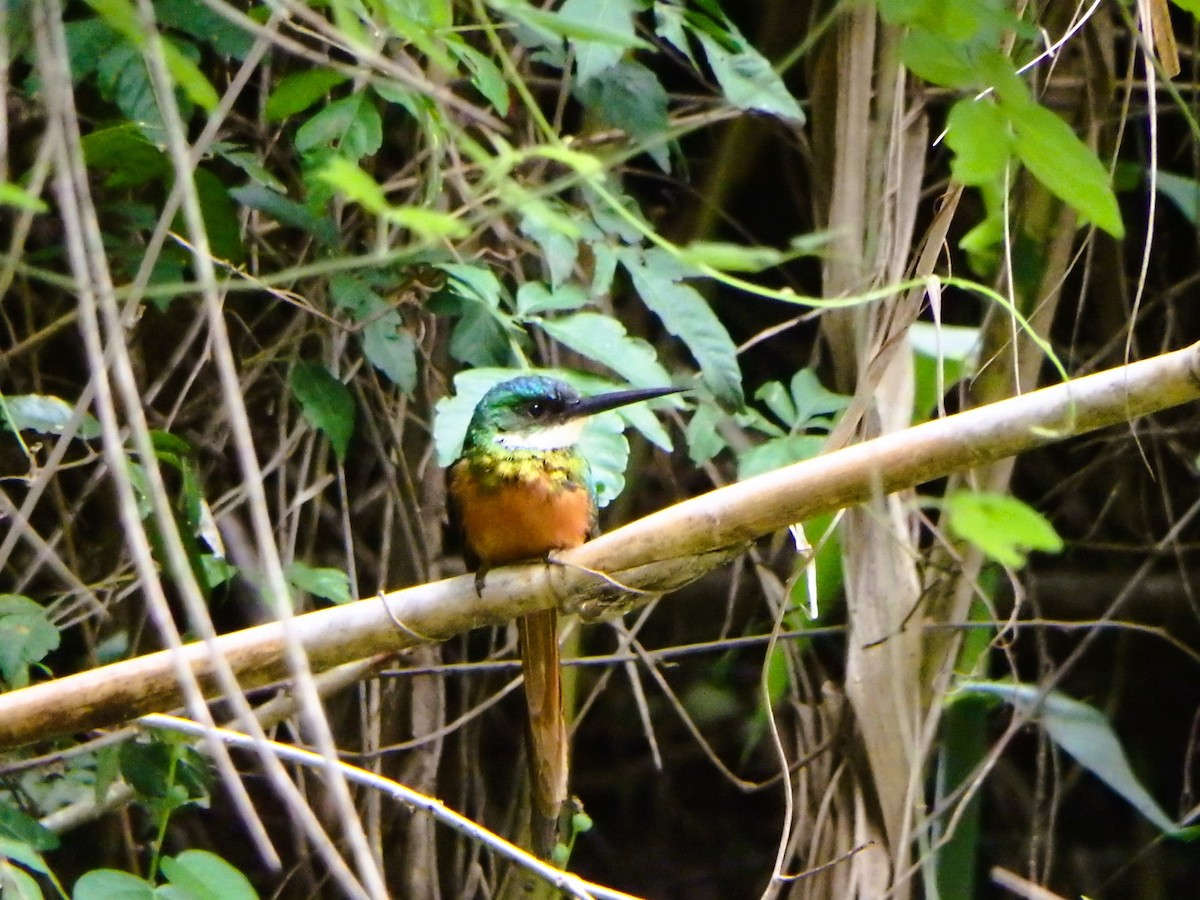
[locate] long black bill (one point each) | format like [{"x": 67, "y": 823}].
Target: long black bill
[{"x": 589, "y": 406}]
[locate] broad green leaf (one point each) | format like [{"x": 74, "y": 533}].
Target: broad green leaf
[
  {"x": 124, "y": 150},
  {"x": 1192, "y": 6},
  {"x": 952, "y": 348},
  {"x": 747, "y": 79},
  {"x": 44, "y": 414},
  {"x": 668, "y": 25},
  {"x": 483, "y": 333},
  {"x": 629, "y": 96},
  {"x": 146, "y": 767},
  {"x": 285, "y": 211},
  {"x": 351, "y": 125},
  {"x": 387, "y": 343},
  {"x": 17, "y": 884},
  {"x": 430, "y": 224},
  {"x": 250, "y": 164},
  {"x": 26, "y": 636},
  {"x": 328, "y": 584},
  {"x": 354, "y": 184},
  {"x": 124, "y": 80},
  {"x": 220, "y": 218},
  {"x": 614, "y": 16},
  {"x": 327, "y": 404},
  {"x": 534, "y": 297},
  {"x": 658, "y": 280},
  {"x": 1003, "y": 527},
  {"x": 939, "y": 60},
  {"x": 485, "y": 76},
  {"x": 982, "y": 141},
  {"x": 585, "y": 29},
  {"x": 187, "y": 75},
  {"x": 558, "y": 243},
  {"x": 22, "y": 836},
  {"x": 704, "y": 440},
  {"x": 16, "y": 196},
  {"x": 603, "y": 339},
  {"x": 202, "y": 23},
  {"x": 219, "y": 879},
  {"x": 813, "y": 401},
  {"x": 298, "y": 91},
  {"x": 1085, "y": 733},
  {"x": 777, "y": 453},
  {"x": 1184, "y": 192},
  {"x": 1057, "y": 158},
  {"x": 109, "y": 884}
]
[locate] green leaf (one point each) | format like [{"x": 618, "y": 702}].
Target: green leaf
[
  {"x": 205, "y": 875},
  {"x": 123, "y": 79},
  {"x": 982, "y": 141},
  {"x": 327, "y": 404},
  {"x": 629, "y": 96},
  {"x": 45, "y": 415},
  {"x": 387, "y": 343},
  {"x": 1057, "y": 158},
  {"x": 603, "y": 339},
  {"x": 226, "y": 37},
  {"x": 615, "y": 17},
  {"x": 187, "y": 75},
  {"x": 559, "y": 245},
  {"x": 146, "y": 767},
  {"x": 328, "y": 584},
  {"x": 1003, "y": 527},
  {"x": 703, "y": 436},
  {"x": 285, "y": 211},
  {"x": 16, "y": 196},
  {"x": 658, "y": 280},
  {"x": 26, "y": 636},
  {"x": 250, "y": 164},
  {"x": 1082, "y": 731},
  {"x": 354, "y": 184},
  {"x": 747, "y": 79},
  {"x": 728, "y": 257},
  {"x": 352, "y": 126},
  {"x": 485, "y": 76},
  {"x": 481, "y": 336},
  {"x": 21, "y": 836},
  {"x": 298, "y": 91},
  {"x": 668, "y": 25},
  {"x": 777, "y": 453},
  {"x": 1184, "y": 192},
  {"x": 124, "y": 150},
  {"x": 17, "y": 884},
  {"x": 534, "y": 297},
  {"x": 551, "y": 25},
  {"x": 220, "y": 218},
  {"x": 109, "y": 884},
  {"x": 939, "y": 60}
]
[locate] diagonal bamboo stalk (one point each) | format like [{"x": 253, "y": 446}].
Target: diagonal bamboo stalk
[{"x": 657, "y": 553}]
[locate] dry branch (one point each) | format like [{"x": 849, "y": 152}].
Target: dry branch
[{"x": 657, "y": 553}]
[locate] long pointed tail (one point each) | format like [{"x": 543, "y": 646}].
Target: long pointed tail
[{"x": 547, "y": 732}]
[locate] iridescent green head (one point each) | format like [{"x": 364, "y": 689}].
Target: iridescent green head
[{"x": 533, "y": 412}]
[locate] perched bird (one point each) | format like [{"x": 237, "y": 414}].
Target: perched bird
[{"x": 520, "y": 491}]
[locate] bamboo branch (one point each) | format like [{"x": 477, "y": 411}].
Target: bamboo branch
[{"x": 655, "y": 554}]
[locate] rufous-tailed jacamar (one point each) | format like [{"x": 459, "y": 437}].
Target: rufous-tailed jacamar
[{"x": 520, "y": 491}]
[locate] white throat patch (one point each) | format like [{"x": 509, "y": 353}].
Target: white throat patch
[{"x": 552, "y": 437}]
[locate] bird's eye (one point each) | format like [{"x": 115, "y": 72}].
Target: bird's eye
[{"x": 536, "y": 408}]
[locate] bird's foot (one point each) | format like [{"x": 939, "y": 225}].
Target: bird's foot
[{"x": 480, "y": 577}]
